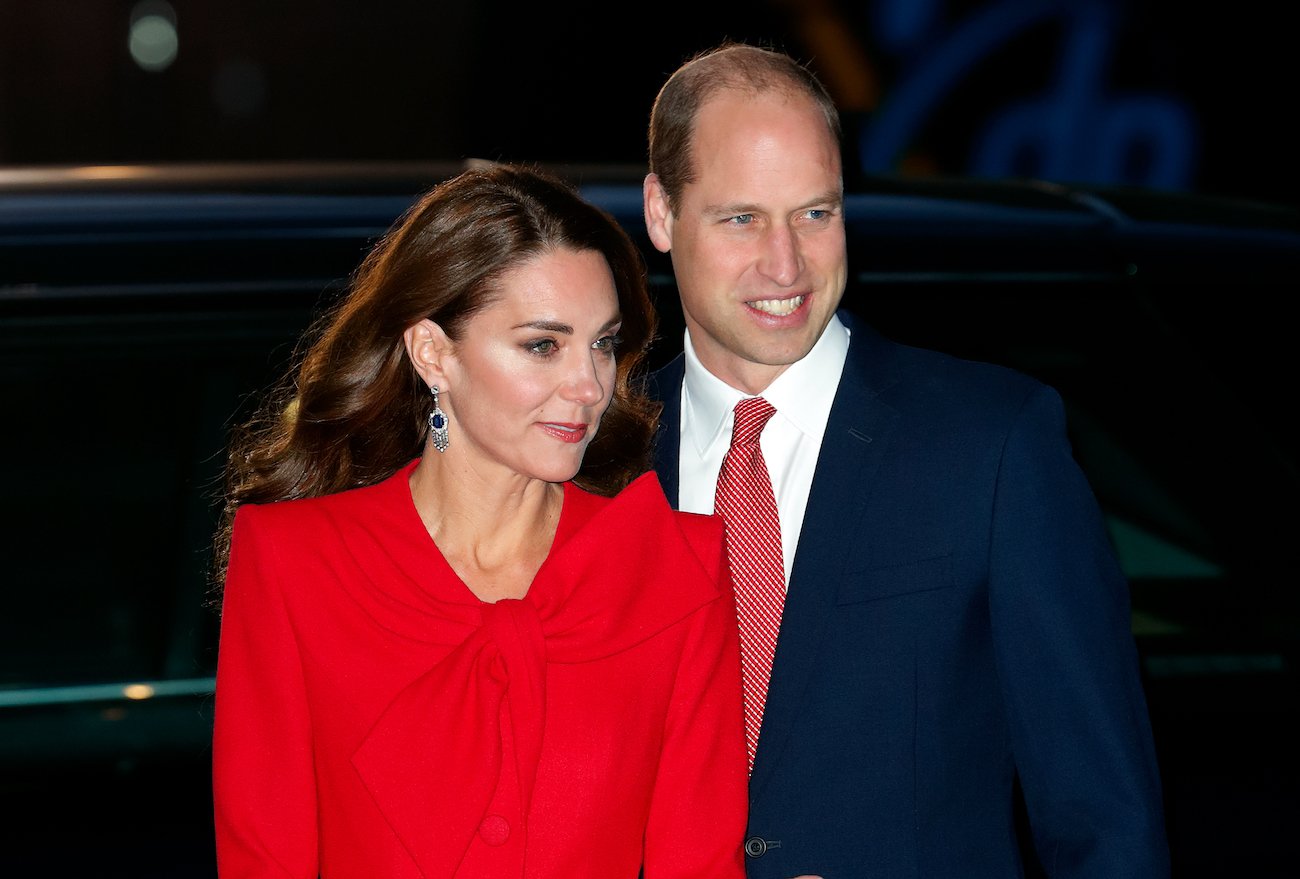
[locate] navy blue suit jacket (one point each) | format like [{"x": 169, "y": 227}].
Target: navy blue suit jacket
[{"x": 956, "y": 619}]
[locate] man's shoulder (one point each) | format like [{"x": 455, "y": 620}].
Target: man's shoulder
[
  {"x": 667, "y": 377},
  {"x": 914, "y": 367}
]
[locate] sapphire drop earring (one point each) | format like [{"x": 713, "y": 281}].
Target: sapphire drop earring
[{"x": 437, "y": 423}]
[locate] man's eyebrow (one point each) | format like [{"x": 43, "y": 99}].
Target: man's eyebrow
[
  {"x": 727, "y": 210},
  {"x": 831, "y": 197}
]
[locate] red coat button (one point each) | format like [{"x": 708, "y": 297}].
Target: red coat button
[{"x": 494, "y": 830}]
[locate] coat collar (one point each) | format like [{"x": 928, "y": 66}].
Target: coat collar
[{"x": 418, "y": 761}]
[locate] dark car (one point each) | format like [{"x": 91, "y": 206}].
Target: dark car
[{"x": 142, "y": 308}]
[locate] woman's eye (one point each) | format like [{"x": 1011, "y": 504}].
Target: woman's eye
[
  {"x": 541, "y": 346},
  {"x": 607, "y": 343}
]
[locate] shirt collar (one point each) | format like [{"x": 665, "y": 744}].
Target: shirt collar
[{"x": 802, "y": 394}]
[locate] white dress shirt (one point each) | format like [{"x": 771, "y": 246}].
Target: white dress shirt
[{"x": 791, "y": 441}]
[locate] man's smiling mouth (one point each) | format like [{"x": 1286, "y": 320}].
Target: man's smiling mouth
[{"x": 778, "y": 307}]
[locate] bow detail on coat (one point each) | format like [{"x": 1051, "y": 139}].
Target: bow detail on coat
[{"x": 434, "y": 759}]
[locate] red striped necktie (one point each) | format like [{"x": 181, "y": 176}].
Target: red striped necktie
[{"x": 747, "y": 505}]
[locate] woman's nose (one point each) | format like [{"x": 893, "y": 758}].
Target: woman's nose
[{"x": 585, "y": 384}]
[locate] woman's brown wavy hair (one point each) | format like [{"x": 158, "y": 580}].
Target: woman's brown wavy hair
[{"x": 352, "y": 410}]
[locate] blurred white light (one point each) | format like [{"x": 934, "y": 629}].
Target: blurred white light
[
  {"x": 153, "y": 40},
  {"x": 138, "y": 691}
]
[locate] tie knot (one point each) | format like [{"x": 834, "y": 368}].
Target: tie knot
[{"x": 752, "y": 414}]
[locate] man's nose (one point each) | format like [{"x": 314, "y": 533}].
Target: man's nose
[{"x": 781, "y": 259}]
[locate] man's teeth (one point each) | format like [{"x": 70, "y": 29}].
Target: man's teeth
[{"x": 778, "y": 307}]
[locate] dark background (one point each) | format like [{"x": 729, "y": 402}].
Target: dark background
[
  {"x": 1154, "y": 93},
  {"x": 1192, "y": 97}
]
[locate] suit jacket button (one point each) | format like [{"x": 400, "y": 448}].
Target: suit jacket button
[
  {"x": 494, "y": 830},
  {"x": 756, "y": 847}
]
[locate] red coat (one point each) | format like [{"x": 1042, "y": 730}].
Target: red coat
[{"x": 376, "y": 720}]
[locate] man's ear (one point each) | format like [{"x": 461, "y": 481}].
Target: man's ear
[
  {"x": 428, "y": 346},
  {"x": 658, "y": 216}
]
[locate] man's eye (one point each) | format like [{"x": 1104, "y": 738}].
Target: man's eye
[
  {"x": 818, "y": 214},
  {"x": 741, "y": 219}
]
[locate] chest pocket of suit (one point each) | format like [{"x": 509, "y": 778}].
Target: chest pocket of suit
[{"x": 886, "y": 581}]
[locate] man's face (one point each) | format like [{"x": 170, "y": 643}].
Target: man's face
[{"x": 757, "y": 242}]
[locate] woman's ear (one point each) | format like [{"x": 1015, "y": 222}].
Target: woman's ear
[{"x": 427, "y": 345}]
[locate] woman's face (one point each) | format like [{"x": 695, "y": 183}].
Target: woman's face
[{"x": 534, "y": 371}]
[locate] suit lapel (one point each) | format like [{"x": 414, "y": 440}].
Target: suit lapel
[
  {"x": 665, "y": 385},
  {"x": 856, "y": 436}
]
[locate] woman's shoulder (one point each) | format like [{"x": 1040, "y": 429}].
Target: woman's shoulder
[
  {"x": 643, "y": 496},
  {"x": 350, "y": 504},
  {"x": 642, "y": 499},
  {"x": 643, "y": 508}
]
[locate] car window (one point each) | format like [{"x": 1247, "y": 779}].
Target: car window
[{"x": 118, "y": 421}]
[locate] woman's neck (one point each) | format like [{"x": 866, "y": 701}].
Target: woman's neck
[{"x": 495, "y": 534}]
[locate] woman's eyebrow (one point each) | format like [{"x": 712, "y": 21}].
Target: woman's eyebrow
[{"x": 551, "y": 326}]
